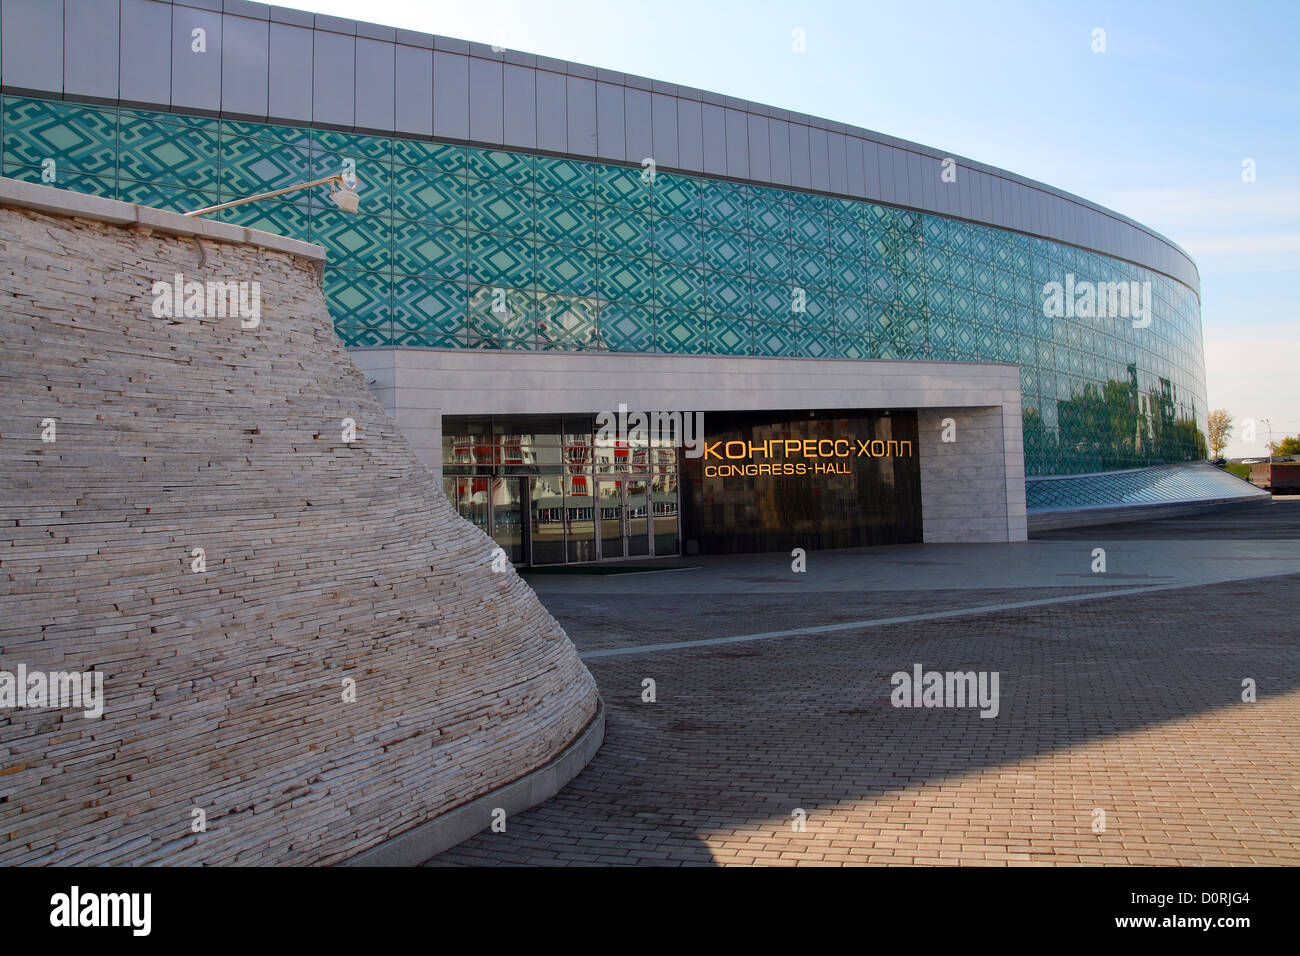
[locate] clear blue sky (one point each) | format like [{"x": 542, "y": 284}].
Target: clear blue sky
[{"x": 1155, "y": 128}]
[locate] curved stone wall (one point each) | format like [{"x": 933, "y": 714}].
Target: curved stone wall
[{"x": 342, "y": 666}]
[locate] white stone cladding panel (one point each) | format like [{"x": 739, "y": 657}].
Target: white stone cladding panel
[
  {"x": 325, "y": 560},
  {"x": 973, "y": 488}
]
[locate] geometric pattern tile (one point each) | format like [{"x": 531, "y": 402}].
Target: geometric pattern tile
[
  {"x": 426, "y": 338},
  {"x": 678, "y": 242},
  {"x": 769, "y": 218},
  {"x": 817, "y": 310},
  {"x": 432, "y": 306},
  {"x": 428, "y": 196},
  {"x": 353, "y": 241},
  {"x": 432, "y": 157},
  {"x": 504, "y": 210},
  {"x": 562, "y": 220},
  {"x": 679, "y": 288},
  {"x": 851, "y": 317},
  {"x": 604, "y": 256},
  {"x": 281, "y": 218},
  {"x": 374, "y": 181},
  {"x": 176, "y": 199},
  {"x": 357, "y": 298},
  {"x": 625, "y": 279},
  {"x": 620, "y": 186},
  {"x": 152, "y": 152},
  {"x": 565, "y": 177},
  {"x": 677, "y": 197},
  {"x": 847, "y": 238},
  {"x": 845, "y": 209},
  {"x": 428, "y": 249},
  {"x": 849, "y": 275},
  {"x": 496, "y": 312},
  {"x": 726, "y": 208},
  {"x": 771, "y": 339},
  {"x": 680, "y": 332},
  {"x": 498, "y": 261},
  {"x": 729, "y": 336},
  {"x": 725, "y": 251},
  {"x": 624, "y": 231},
  {"x": 78, "y": 139},
  {"x": 808, "y": 228},
  {"x": 371, "y": 149},
  {"x": 505, "y": 168},
  {"x": 849, "y": 347},
  {"x": 250, "y": 166},
  {"x": 568, "y": 322},
  {"x": 105, "y": 186},
  {"x": 236, "y": 129},
  {"x": 769, "y": 260},
  {"x": 566, "y": 269},
  {"x": 811, "y": 268},
  {"x": 626, "y": 327},
  {"x": 728, "y": 294},
  {"x": 818, "y": 344},
  {"x": 775, "y": 301},
  {"x": 362, "y": 337}
]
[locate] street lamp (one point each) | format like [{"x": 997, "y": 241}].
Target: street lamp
[
  {"x": 1270, "y": 439},
  {"x": 343, "y": 193}
]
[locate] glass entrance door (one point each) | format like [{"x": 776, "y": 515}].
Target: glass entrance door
[
  {"x": 623, "y": 512},
  {"x": 609, "y": 513},
  {"x": 637, "y": 530},
  {"x": 508, "y": 529}
]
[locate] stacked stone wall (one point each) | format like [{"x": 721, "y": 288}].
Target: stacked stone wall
[{"x": 332, "y": 569}]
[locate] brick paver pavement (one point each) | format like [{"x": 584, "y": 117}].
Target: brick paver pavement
[{"x": 1129, "y": 705}]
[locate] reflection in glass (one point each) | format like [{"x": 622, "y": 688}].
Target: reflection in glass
[
  {"x": 580, "y": 524},
  {"x": 610, "y": 503},
  {"x": 546, "y": 508},
  {"x": 531, "y": 482},
  {"x": 466, "y": 448},
  {"x": 470, "y": 496},
  {"x": 619, "y": 458},
  {"x": 637, "y": 518},
  {"x": 663, "y": 500},
  {"x": 507, "y": 517}
]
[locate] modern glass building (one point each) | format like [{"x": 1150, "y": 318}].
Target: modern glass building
[{"x": 538, "y": 239}]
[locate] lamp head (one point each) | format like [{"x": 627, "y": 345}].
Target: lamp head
[{"x": 345, "y": 195}]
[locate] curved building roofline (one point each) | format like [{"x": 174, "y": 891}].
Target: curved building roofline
[{"x": 275, "y": 65}]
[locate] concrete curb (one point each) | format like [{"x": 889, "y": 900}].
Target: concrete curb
[
  {"x": 65, "y": 202},
  {"x": 443, "y": 832}
]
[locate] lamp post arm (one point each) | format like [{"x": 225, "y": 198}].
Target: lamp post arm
[{"x": 275, "y": 192}]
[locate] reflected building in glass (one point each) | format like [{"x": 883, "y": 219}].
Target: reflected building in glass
[{"x": 548, "y": 493}]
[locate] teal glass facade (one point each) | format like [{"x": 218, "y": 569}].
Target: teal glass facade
[{"x": 459, "y": 247}]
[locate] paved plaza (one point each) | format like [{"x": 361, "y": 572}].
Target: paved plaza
[{"x": 1120, "y": 736}]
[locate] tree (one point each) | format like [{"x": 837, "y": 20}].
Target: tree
[
  {"x": 1219, "y": 425},
  {"x": 1287, "y": 446},
  {"x": 1040, "y": 440}
]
